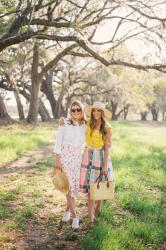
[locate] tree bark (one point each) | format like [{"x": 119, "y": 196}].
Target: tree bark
[
  {"x": 19, "y": 104},
  {"x": 35, "y": 88},
  {"x": 114, "y": 107},
  {"x": 37, "y": 79},
  {"x": 126, "y": 110},
  {"x": 16, "y": 95},
  {"x": 154, "y": 115},
  {"x": 3, "y": 110},
  {"x": 59, "y": 107},
  {"x": 144, "y": 115},
  {"x": 155, "y": 112},
  {"x": 34, "y": 102},
  {"x": 47, "y": 89},
  {"x": 45, "y": 116}
]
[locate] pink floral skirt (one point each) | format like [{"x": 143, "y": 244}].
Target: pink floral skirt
[{"x": 71, "y": 162}]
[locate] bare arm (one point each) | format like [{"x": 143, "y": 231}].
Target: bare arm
[{"x": 107, "y": 145}]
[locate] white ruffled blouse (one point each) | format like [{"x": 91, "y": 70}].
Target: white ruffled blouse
[{"x": 69, "y": 134}]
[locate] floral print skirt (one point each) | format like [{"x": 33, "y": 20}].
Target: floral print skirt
[{"x": 71, "y": 158}]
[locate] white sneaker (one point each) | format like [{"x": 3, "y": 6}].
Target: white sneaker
[
  {"x": 75, "y": 223},
  {"x": 66, "y": 216}
]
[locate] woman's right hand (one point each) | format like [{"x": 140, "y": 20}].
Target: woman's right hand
[
  {"x": 58, "y": 164},
  {"x": 61, "y": 121}
]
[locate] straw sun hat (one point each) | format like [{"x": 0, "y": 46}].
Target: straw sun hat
[
  {"x": 60, "y": 181},
  {"x": 98, "y": 105}
]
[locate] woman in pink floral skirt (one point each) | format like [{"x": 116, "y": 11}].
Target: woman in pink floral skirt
[{"x": 69, "y": 141}]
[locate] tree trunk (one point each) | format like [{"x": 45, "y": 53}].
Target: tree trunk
[
  {"x": 35, "y": 88},
  {"x": 5, "y": 118},
  {"x": 126, "y": 111},
  {"x": 45, "y": 116},
  {"x": 17, "y": 97},
  {"x": 164, "y": 115},
  {"x": 144, "y": 115},
  {"x": 60, "y": 111},
  {"x": 59, "y": 105},
  {"x": 3, "y": 110},
  {"x": 47, "y": 89},
  {"x": 155, "y": 111},
  {"x": 34, "y": 102},
  {"x": 154, "y": 114},
  {"x": 19, "y": 104},
  {"x": 114, "y": 107}
]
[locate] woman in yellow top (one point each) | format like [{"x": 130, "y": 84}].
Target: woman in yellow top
[{"x": 96, "y": 160}]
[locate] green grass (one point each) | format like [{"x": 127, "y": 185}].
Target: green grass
[
  {"x": 135, "y": 221},
  {"x": 16, "y": 139},
  {"x": 139, "y": 160},
  {"x": 24, "y": 214}
]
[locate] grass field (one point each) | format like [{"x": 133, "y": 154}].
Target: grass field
[
  {"x": 16, "y": 139},
  {"x": 139, "y": 219},
  {"x": 30, "y": 209}
]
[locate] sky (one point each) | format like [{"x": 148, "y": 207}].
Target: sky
[{"x": 137, "y": 47}]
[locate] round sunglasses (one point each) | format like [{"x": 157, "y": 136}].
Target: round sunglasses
[{"x": 75, "y": 110}]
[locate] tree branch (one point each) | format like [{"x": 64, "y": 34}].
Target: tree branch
[
  {"x": 147, "y": 16},
  {"x": 52, "y": 63},
  {"x": 50, "y": 23}
]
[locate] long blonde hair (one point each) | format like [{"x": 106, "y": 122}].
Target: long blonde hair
[{"x": 80, "y": 105}]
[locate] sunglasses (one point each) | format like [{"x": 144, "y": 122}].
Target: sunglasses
[{"x": 74, "y": 110}]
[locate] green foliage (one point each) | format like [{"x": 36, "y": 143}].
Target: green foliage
[{"x": 6, "y": 7}]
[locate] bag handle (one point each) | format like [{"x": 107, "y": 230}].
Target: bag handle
[{"x": 99, "y": 179}]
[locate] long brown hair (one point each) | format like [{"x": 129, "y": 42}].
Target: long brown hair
[
  {"x": 80, "y": 105},
  {"x": 102, "y": 129}
]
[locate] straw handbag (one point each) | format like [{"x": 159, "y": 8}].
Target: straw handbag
[
  {"x": 102, "y": 190},
  {"x": 60, "y": 181}
]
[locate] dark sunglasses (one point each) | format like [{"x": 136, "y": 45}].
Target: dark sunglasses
[{"x": 74, "y": 110}]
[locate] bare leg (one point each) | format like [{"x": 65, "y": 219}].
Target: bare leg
[
  {"x": 98, "y": 207},
  {"x": 71, "y": 202},
  {"x": 68, "y": 204},
  {"x": 90, "y": 209}
]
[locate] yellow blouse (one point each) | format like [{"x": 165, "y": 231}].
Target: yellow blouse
[{"x": 95, "y": 139}]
